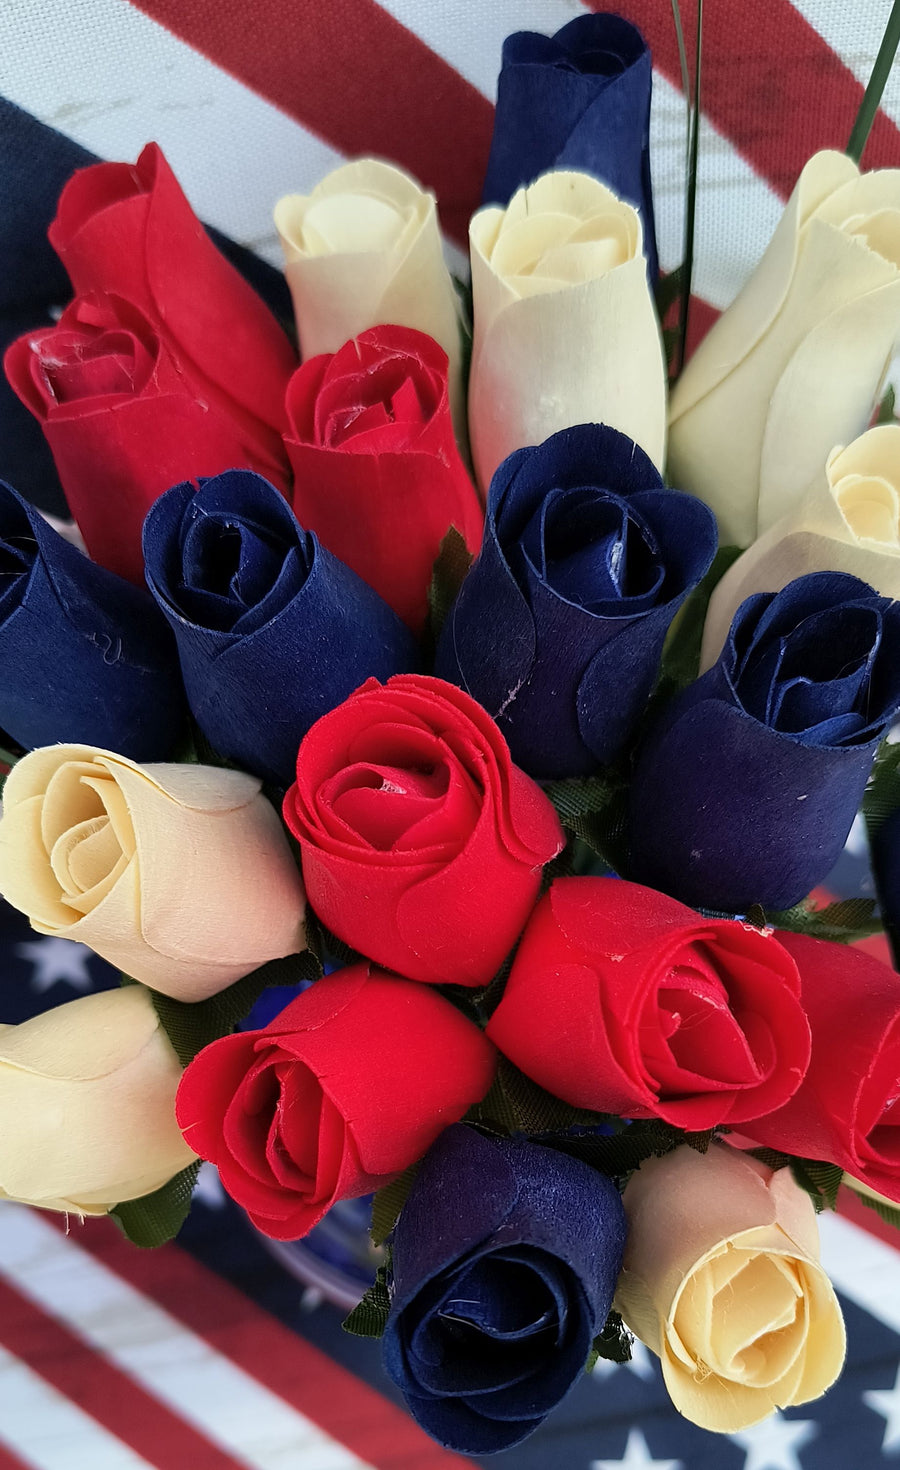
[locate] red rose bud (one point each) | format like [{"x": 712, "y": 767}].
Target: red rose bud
[
  {"x": 129, "y": 230},
  {"x": 422, "y": 843},
  {"x": 622, "y": 1000},
  {"x": 124, "y": 420},
  {"x": 377, "y": 473},
  {"x": 846, "y": 1109},
  {"x": 346, "y": 1088}
]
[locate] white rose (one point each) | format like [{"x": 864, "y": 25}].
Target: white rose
[
  {"x": 847, "y": 521},
  {"x": 565, "y": 330},
  {"x": 87, "y": 1094},
  {"x": 793, "y": 366},
  {"x": 180, "y": 875}
]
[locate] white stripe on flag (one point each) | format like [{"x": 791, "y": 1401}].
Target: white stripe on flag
[
  {"x": 41, "y": 1426},
  {"x": 862, "y": 1267},
  {"x": 113, "y": 80},
  {"x": 167, "y": 1360}
]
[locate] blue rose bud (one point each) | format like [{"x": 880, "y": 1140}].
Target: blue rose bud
[
  {"x": 272, "y": 630},
  {"x": 506, "y": 1256},
  {"x": 85, "y": 658},
  {"x": 747, "y": 788},
  {"x": 576, "y": 100},
  {"x": 559, "y": 626}
]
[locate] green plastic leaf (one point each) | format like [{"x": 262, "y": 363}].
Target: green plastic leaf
[
  {"x": 158, "y": 1217},
  {"x": 613, "y": 1343},
  {"x": 844, "y": 922},
  {"x": 681, "y": 654},
  {"x": 369, "y": 1317},
  {"x": 820, "y": 1180},
  {"x": 515, "y": 1104},
  {"x": 882, "y": 795},
  {"x": 388, "y": 1202},
  {"x": 450, "y": 567},
  {"x": 886, "y": 407},
  {"x": 889, "y": 1213},
  {"x": 595, "y": 810}
]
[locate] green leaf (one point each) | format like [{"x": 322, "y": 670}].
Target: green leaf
[
  {"x": 515, "y": 1104},
  {"x": 614, "y": 1343},
  {"x": 449, "y": 571},
  {"x": 192, "y": 1026},
  {"x": 594, "y": 809},
  {"x": 820, "y": 1180},
  {"x": 844, "y": 922},
  {"x": 890, "y": 1214},
  {"x": 681, "y": 653},
  {"x": 158, "y": 1217},
  {"x": 668, "y": 291},
  {"x": 388, "y": 1202},
  {"x": 882, "y": 794},
  {"x": 886, "y": 407},
  {"x": 369, "y": 1317}
]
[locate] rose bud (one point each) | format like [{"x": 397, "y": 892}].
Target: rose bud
[
  {"x": 845, "y": 1109},
  {"x": 125, "y": 419},
  {"x": 848, "y": 521},
  {"x": 347, "y": 1087},
  {"x": 90, "y": 1086},
  {"x": 722, "y": 1280},
  {"x": 423, "y": 845},
  {"x": 129, "y": 230},
  {"x": 565, "y": 328},
  {"x": 83, "y": 654},
  {"x": 505, "y": 1258},
  {"x": 377, "y": 474},
  {"x": 272, "y": 630},
  {"x": 747, "y": 786},
  {"x": 576, "y": 100},
  {"x": 363, "y": 249},
  {"x": 559, "y": 626},
  {"x": 793, "y": 366},
  {"x": 623, "y": 1001},
  {"x": 98, "y": 849}
]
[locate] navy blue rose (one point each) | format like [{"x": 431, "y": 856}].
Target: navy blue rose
[
  {"x": 576, "y": 100},
  {"x": 559, "y": 626},
  {"x": 85, "y": 658},
  {"x": 748, "y": 786},
  {"x": 505, "y": 1260},
  {"x": 272, "y": 630}
]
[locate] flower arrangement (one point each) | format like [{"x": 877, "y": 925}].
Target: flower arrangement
[{"x": 500, "y": 711}]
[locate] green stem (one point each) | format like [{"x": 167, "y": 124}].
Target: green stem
[
  {"x": 872, "y": 95},
  {"x": 690, "y": 212},
  {"x": 682, "y": 59}
]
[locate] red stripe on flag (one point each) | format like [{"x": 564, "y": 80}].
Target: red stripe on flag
[
  {"x": 335, "y": 1399},
  {"x": 353, "y": 74},
  {"x": 777, "y": 104},
  {"x": 101, "y": 1390},
  {"x": 851, "y": 1206},
  {"x": 9, "y": 1461}
]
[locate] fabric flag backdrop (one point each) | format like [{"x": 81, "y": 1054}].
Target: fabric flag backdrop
[{"x": 206, "y": 1353}]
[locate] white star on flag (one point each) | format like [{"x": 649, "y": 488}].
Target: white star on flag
[
  {"x": 208, "y": 1189},
  {"x": 774, "y": 1444},
  {"x": 640, "y": 1363},
  {"x": 637, "y": 1457},
  {"x": 56, "y": 960},
  {"x": 886, "y": 1402}
]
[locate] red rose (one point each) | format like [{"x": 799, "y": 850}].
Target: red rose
[
  {"x": 129, "y": 230},
  {"x": 846, "y": 1109},
  {"x": 422, "y": 843},
  {"x": 124, "y": 421},
  {"x": 622, "y": 1000},
  {"x": 377, "y": 474},
  {"x": 345, "y": 1089}
]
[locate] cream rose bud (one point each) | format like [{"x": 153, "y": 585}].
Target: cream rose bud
[
  {"x": 847, "y": 521},
  {"x": 793, "y": 366},
  {"x": 565, "y": 330},
  {"x": 180, "y": 875},
  {"x": 88, "y": 1094},
  {"x": 722, "y": 1280},
  {"x": 364, "y": 250}
]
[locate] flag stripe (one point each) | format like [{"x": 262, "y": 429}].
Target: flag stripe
[
  {"x": 109, "y": 1396},
  {"x": 777, "y": 106},
  {"x": 862, "y": 1268},
  {"x": 48, "y": 1431},
  {"x": 232, "y": 1408},
  {"x": 299, "y": 1373},
  {"x": 358, "y": 78}
]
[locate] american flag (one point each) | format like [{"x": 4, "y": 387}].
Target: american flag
[{"x": 206, "y": 1354}]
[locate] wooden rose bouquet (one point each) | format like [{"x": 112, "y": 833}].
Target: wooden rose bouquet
[{"x": 496, "y": 709}]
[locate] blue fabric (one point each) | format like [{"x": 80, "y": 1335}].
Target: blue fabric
[
  {"x": 505, "y": 1259},
  {"x": 576, "y": 100},
  {"x": 559, "y": 625},
  {"x": 747, "y": 788},
  {"x": 272, "y": 630},
  {"x": 84, "y": 656}
]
